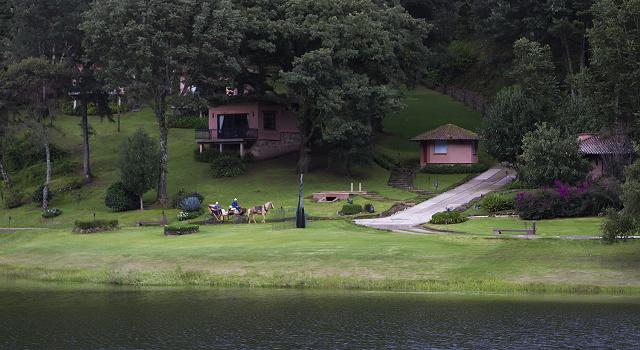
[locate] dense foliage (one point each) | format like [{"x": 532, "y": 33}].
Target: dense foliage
[
  {"x": 187, "y": 122},
  {"x": 138, "y": 164},
  {"x": 181, "y": 229},
  {"x": 455, "y": 168},
  {"x": 351, "y": 209},
  {"x": 448, "y": 217},
  {"x": 227, "y": 165},
  {"x": 548, "y": 155},
  {"x": 494, "y": 203},
  {"x": 587, "y": 199},
  {"x": 92, "y": 226},
  {"x": 119, "y": 198}
]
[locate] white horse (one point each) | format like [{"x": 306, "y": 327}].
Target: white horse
[{"x": 260, "y": 209}]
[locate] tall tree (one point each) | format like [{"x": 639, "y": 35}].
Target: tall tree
[
  {"x": 336, "y": 58},
  {"x": 87, "y": 89},
  {"x": 146, "y": 45},
  {"x": 31, "y": 84},
  {"x": 507, "y": 120},
  {"x": 615, "y": 73},
  {"x": 534, "y": 71},
  {"x": 139, "y": 164},
  {"x": 45, "y": 29}
]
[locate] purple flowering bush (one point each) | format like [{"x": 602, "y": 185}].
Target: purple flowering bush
[{"x": 562, "y": 200}]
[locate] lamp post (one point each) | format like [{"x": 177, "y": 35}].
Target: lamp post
[{"x": 300, "y": 219}]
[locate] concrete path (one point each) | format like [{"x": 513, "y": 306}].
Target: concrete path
[{"x": 408, "y": 219}]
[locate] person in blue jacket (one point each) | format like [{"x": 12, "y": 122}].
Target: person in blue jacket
[{"x": 235, "y": 204}]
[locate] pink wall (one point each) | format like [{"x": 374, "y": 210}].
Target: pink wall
[
  {"x": 457, "y": 153},
  {"x": 597, "y": 167},
  {"x": 285, "y": 120}
]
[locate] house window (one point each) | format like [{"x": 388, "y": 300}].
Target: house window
[
  {"x": 269, "y": 120},
  {"x": 441, "y": 147},
  {"x": 474, "y": 148}
]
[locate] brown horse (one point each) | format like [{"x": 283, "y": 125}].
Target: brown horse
[{"x": 260, "y": 209}]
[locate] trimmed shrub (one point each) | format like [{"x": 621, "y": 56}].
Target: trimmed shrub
[
  {"x": 455, "y": 169},
  {"x": 13, "y": 198},
  {"x": 188, "y": 122},
  {"x": 494, "y": 203},
  {"x": 351, "y": 209},
  {"x": 178, "y": 230},
  {"x": 448, "y": 218},
  {"x": 190, "y": 204},
  {"x": 94, "y": 226},
  {"x": 182, "y": 194},
  {"x": 51, "y": 213},
  {"x": 36, "y": 196},
  {"x": 188, "y": 215},
  {"x": 369, "y": 208},
  {"x": 120, "y": 199},
  {"x": 618, "y": 226},
  {"x": 227, "y": 165}
]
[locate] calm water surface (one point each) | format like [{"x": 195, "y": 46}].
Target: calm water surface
[{"x": 54, "y": 317}]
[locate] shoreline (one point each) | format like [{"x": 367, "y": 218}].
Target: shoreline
[{"x": 180, "y": 278}]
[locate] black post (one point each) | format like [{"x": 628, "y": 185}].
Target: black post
[{"x": 300, "y": 219}]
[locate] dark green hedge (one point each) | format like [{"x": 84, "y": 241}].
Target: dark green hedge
[
  {"x": 188, "y": 122},
  {"x": 455, "y": 168},
  {"x": 448, "y": 218},
  {"x": 178, "y": 230},
  {"x": 351, "y": 209},
  {"x": 94, "y": 226}
]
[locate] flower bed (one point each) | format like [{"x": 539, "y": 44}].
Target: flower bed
[
  {"x": 179, "y": 230},
  {"x": 51, "y": 213},
  {"x": 95, "y": 226}
]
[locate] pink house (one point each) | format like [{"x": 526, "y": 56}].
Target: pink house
[
  {"x": 604, "y": 152},
  {"x": 448, "y": 144},
  {"x": 264, "y": 129}
]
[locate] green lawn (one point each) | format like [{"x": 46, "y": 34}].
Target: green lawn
[
  {"x": 545, "y": 228},
  {"x": 330, "y": 254},
  {"x": 425, "y": 110}
]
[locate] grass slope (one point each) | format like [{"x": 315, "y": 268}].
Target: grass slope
[
  {"x": 424, "y": 110},
  {"x": 330, "y": 254}
]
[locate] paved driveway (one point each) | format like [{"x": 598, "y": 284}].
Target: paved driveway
[{"x": 408, "y": 219}]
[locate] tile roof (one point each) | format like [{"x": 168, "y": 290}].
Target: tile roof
[
  {"x": 447, "y": 132},
  {"x": 597, "y": 144}
]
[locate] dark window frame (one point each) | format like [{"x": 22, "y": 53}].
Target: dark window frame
[{"x": 270, "y": 120}]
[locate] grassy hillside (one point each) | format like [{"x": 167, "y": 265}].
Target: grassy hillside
[
  {"x": 425, "y": 110},
  {"x": 329, "y": 254},
  {"x": 273, "y": 180}
]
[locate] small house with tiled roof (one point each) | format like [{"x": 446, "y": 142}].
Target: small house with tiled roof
[
  {"x": 604, "y": 151},
  {"x": 448, "y": 144}
]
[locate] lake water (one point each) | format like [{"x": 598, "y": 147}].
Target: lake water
[{"x": 54, "y": 317}]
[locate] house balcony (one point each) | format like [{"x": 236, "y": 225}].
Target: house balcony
[{"x": 226, "y": 135}]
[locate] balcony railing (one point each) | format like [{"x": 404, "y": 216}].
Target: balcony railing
[
  {"x": 226, "y": 134},
  {"x": 238, "y": 133}
]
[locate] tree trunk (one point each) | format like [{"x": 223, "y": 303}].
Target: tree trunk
[
  {"x": 47, "y": 183},
  {"x": 164, "y": 150},
  {"x": 141, "y": 204},
  {"x": 304, "y": 157},
  {"x": 86, "y": 160},
  {"x": 5, "y": 176}
]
